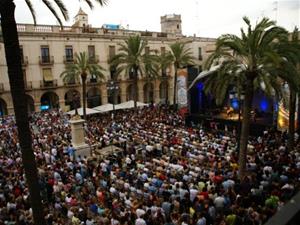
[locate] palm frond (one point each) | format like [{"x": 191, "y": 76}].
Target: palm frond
[
  {"x": 53, "y": 11},
  {"x": 32, "y": 11},
  {"x": 62, "y": 8}
]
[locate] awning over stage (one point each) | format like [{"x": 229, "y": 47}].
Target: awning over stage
[{"x": 204, "y": 74}]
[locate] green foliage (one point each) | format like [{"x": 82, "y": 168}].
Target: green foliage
[
  {"x": 81, "y": 68},
  {"x": 61, "y": 6},
  {"x": 181, "y": 55},
  {"x": 262, "y": 55},
  {"x": 132, "y": 57}
]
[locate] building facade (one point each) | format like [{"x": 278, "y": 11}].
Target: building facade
[{"x": 47, "y": 50}]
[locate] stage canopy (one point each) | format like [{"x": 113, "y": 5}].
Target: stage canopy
[
  {"x": 104, "y": 108},
  {"x": 129, "y": 105},
  {"x": 80, "y": 111},
  {"x": 204, "y": 74}
]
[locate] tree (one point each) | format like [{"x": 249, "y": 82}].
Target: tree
[
  {"x": 181, "y": 56},
  {"x": 16, "y": 80},
  {"x": 133, "y": 59},
  {"x": 288, "y": 50},
  {"x": 249, "y": 63},
  {"x": 80, "y": 69},
  {"x": 164, "y": 61}
]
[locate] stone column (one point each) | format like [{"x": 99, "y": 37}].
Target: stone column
[
  {"x": 123, "y": 89},
  {"x": 77, "y": 132},
  {"x": 140, "y": 91}
]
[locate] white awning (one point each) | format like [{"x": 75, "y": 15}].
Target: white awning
[
  {"x": 104, "y": 108},
  {"x": 204, "y": 74},
  {"x": 80, "y": 111},
  {"x": 129, "y": 105}
]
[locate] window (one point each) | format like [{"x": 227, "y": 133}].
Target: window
[
  {"x": 131, "y": 74},
  {"x": 177, "y": 26},
  {"x": 69, "y": 53},
  {"x": 112, "y": 51},
  {"x": 25, "y": 78},
  {"x": 45, "y": 54},
  {"x": 91, "y": 52},
  {"x": 200, "y": 53},
  {"x": 21, "y": 54},
  {"x": 112, "y": 72}
]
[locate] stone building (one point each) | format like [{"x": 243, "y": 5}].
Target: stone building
[{"x": 46, "y": 51}]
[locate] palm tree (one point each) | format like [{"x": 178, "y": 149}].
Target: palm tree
[
  {"x": 164, "y": 61},
  {"x": 80, "y": 70},
  {"x": 292, "y": 62},
  {"x": 131, "y": 59},
  {"x": 181, "y": 57},
  {"x": 16, "y": 80},
  {"x": 248, "y": 63}
]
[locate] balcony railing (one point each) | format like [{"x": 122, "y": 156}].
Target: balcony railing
[
  {"x": 68, "y": 59},
  {"x": 94, "y": 59},
  {"x": 71, "y": 84},
  {"x": 24, "y": 60},
  {"x": 28, "y": 85},
  {"x": 146, "y": 34},
  {"x": 48, "y": 84},
  {"x": 1, "y": 87},
  {"x": 46, "y": 60},
  {"x": 93, "y": 81}
]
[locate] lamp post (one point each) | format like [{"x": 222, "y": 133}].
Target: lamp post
[
  {"x": 112, "y": 86},
  {"x": 239, "y": 97}
]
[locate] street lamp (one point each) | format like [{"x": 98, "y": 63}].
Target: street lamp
[
  {"x": 237, "y": 99},
  {"x": 112, "y": 86}
]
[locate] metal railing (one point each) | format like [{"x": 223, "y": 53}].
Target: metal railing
[
  {"x": 68, "y": 59},
  {"x": 46, "y": 60},
  {"x": 48, "y": 84},
  {"x": 28, "y": 85},
  {"x": 94, "y": 59}
]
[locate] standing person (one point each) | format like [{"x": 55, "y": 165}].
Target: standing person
[{"x": 71, "y": 152}]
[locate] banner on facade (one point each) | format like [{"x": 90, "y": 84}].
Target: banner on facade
[{"x": 182, "y": 99}]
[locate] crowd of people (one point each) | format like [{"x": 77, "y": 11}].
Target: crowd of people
[{"x": 165, "y": 173}]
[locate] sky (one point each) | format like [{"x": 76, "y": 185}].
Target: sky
[{"x": 205, "y": 18}]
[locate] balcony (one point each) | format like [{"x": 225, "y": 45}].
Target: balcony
[
  {"x": 94, "y": 59},
  {"x": 24, "y": 60},
  {"x": 48, "y": 84},
  {"x": 93, "y": 81},
  {"x": 146, "y": 34},
  {"x": 46, "y": 60},
  {"x": 71, "y": 84},
  {"x": 1, "y": 87},
  {"x": 28, "y": 85},
  {"x": 68, "y": 59}
]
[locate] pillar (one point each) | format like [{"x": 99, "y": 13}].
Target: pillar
[{"x": 77, "y": 132}]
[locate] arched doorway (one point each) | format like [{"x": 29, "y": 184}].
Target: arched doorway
[
  {"x": 30, "y": 104},
  {"x": 148, "y": 93},
  {"x": 164, "y": 92},
  {"x": 69, "y": 98},
  {"x": 93, "y": 97},
  {"x": 3, "y": 107},
  {"x": 130, "y": 92},
  {"x": 49, "y": 100}
]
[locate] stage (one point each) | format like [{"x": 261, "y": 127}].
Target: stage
[{"x": 222, "y": 120}]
